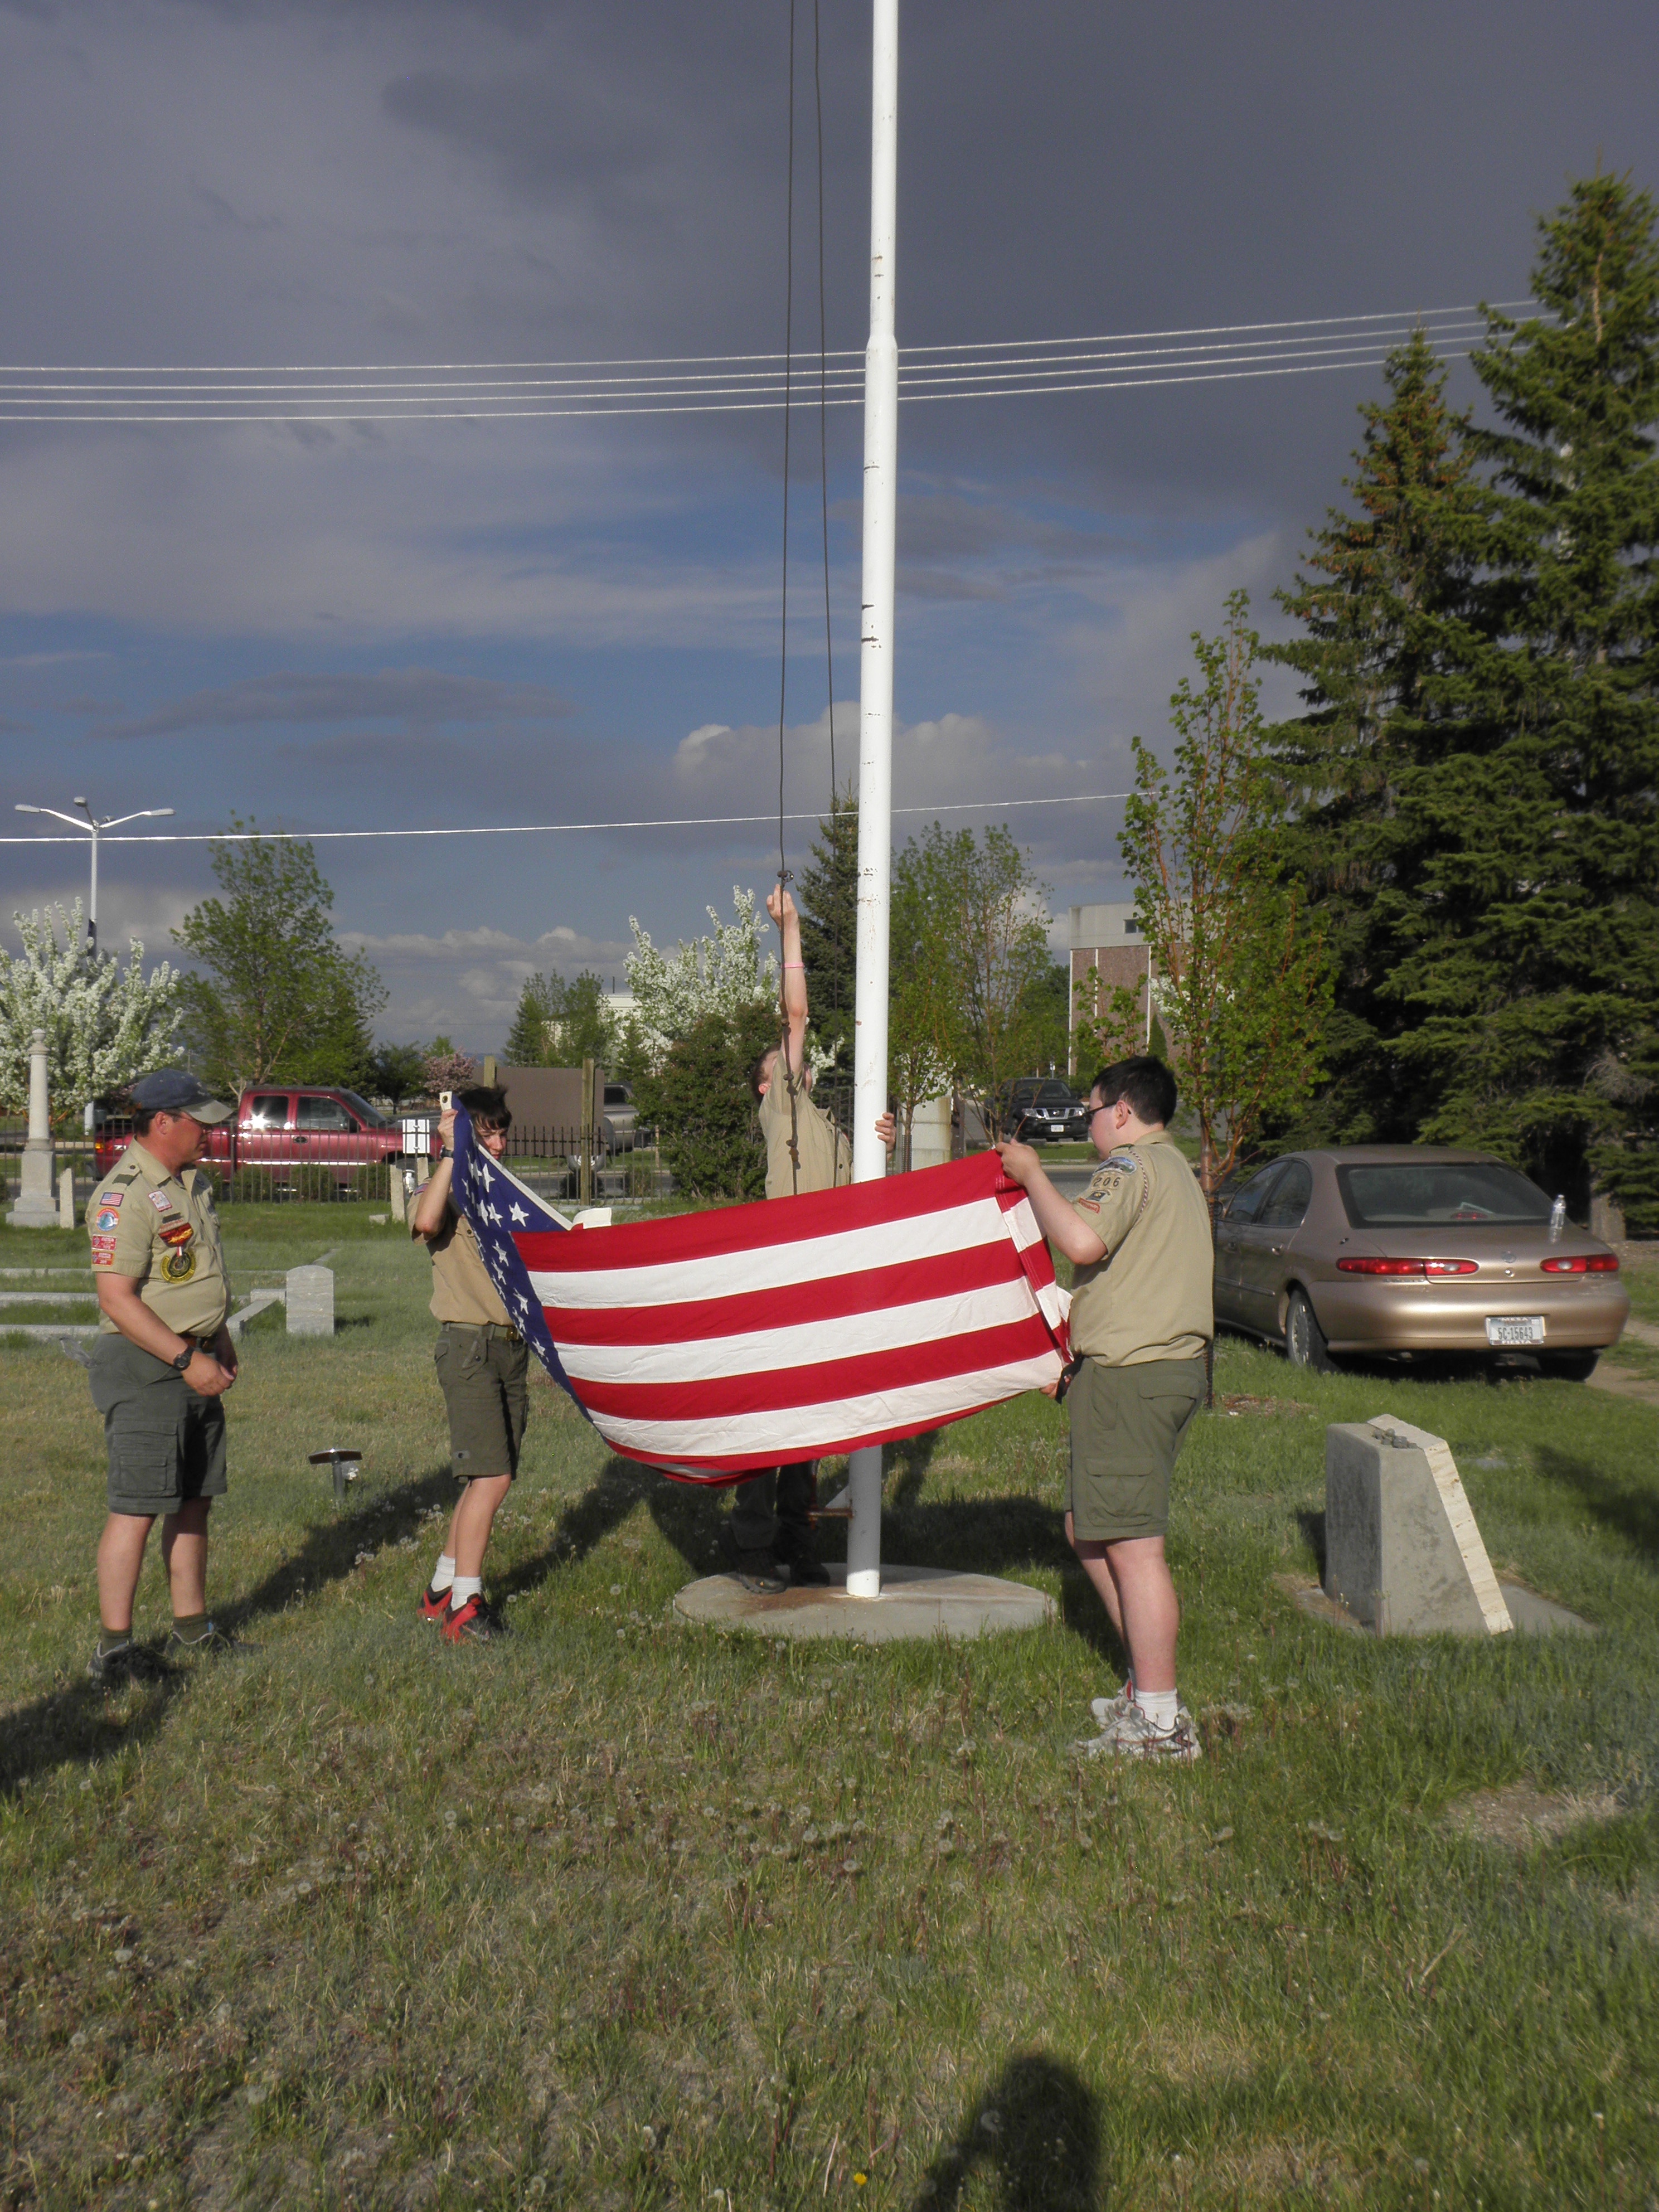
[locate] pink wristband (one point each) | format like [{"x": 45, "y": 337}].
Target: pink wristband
[{"x": 788, "y": 964}]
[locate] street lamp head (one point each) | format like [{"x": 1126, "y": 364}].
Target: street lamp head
[{"x": 77, "y": 802}]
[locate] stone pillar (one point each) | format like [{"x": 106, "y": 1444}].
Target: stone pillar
[
  {"x": 395, "y": 1185},
  {"x": 37, "y": 1201},
  {"x": 311, "y": 1301},
  {"x": 1403, "y": 1552},
  {"x": 66, "y": 1198},
  {"x": 930, "y": 1133},
  {"x": 1607, "y": 1217}
]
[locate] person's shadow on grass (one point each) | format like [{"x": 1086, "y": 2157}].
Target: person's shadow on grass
[
  {"x": 1619, "y": 1503},
  {"x": 82, "y": 1722},
  {"x": 1037, "y": 2132}
]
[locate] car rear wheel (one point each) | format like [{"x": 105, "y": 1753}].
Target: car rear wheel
[
  {"x": 1569, "y": 1366},
  {"x": 1304, "y": 1340}
]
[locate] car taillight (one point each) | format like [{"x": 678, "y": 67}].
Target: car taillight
[
  {"x": 1408, "y": 1267},
  {"x": 1584, "y": 1263}
]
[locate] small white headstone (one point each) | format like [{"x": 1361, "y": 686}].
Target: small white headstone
[
  {"x": 66, "y": 1198},
  {"x": 1402, "y": 1549},
  {"x": 311, "y": 1301}
]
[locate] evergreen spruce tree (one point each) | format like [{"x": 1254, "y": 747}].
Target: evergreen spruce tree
[
  {"x": 1386, "y": 581},
  {"x": 827, "y": 900},
  {"x": 1529, "y": 987}
]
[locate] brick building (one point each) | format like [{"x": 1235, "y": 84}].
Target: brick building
[{"x": 1107, "y": 938}]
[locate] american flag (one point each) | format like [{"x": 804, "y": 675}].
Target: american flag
[{"x": 709, "y": 1344}]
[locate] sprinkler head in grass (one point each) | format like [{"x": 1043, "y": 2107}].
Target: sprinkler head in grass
[{"x": 345, "y": 1463}]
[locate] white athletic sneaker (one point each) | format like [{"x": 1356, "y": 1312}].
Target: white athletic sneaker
[
  {"x": 1131, "y": 1735},
  {"x": 1105, "y": 1710}
]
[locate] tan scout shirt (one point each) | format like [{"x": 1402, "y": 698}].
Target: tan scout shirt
[
  {"x": 160, "y": 1229},
  {"x": 461, "y": 1288},
  {"x": 826, "y": 1157},
  {"x": 1151, "y": 1298}
]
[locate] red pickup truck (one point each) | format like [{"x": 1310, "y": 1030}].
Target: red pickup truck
[{"x": 280, "y": 1125}]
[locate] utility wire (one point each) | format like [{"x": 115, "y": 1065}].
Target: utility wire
[{"x": 538, "y": 829}]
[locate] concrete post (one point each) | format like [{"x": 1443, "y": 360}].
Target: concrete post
[
  {"x": 37, "y": 1200},
  {"x": 930, "y": 1133},
  {"x": 66, "y": 1198},
  {"x": 395, "y": 1174},
  {"x": 585, "y": 1172}
]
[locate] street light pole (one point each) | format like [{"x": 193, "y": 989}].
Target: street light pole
[{"x": 95, "y": 826}]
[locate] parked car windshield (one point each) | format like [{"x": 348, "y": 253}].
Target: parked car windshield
[
  {"x": 1418, "y": 1195},
  {"x": 372, "y": 1118},
  {"x": 1054, "y": 1094}
]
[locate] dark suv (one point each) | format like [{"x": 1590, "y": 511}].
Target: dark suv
[{"x": 1038, "y": 1111}]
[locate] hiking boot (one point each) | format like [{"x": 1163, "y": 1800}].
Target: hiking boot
[
  {"x": 210, "y": 1642},
  {"x": 758, "y": 1569},
  {"x": 476, "y": 1621},
  {"x": 434, "y": 1603},
  {"x": 128, "y": 1662},
  {"x": 1131, "y": 1735}
]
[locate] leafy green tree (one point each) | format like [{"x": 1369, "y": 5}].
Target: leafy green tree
[
  {"x": 104, "y": 1024},
  {"x": 974, "y": 958},
  {"x": 827, "y": 900},
  {"x": 1534, "y": 956},
  {"x": 1243, "y": 993},
  {"x": 280, "y": 995},
  {"x": 560, "y": 1024},
  {"x": 1382, "y": 611},
  {"x": 397, "y": 1072},
  {"x": 700, "y": 1101}
]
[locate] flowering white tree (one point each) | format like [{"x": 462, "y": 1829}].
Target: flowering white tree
[
  {"x": 104, "y": 1024},
  {"x": 718, "y": 975}
]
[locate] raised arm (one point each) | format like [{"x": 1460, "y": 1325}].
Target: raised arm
[
  {"x": 1056, "y": 1216},
  {"x": 782, "y": 907}
]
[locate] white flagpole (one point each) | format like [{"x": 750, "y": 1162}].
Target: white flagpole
[{"x": 876, "y": 718}]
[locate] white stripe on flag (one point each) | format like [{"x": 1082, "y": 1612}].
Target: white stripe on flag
[
  {"x": 804, "y": 1431},
  {"x": 776, "y": 1267},
  {"x": 765, "y": 1351}
]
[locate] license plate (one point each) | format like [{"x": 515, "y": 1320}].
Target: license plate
[{"x": 1515, "y": 1328}]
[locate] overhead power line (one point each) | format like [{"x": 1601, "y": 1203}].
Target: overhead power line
[
  {"x": 550, "y": 829},
  {"x": 716, "y": 384}
]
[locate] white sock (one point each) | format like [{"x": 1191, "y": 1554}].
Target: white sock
[
  {"x": 1159, "y": 1707},
  {"x": 444, "y": 1573},
  {"x": 466, "y": 1586}
]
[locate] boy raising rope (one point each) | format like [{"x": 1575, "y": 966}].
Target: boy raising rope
[{"x": 768, "y": 1536}]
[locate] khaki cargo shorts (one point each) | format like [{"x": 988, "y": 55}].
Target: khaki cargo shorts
[
  {"x": 166, "y": 1442},
  {"x": 1127, "y": 1426},
  {"x": 485, "y": 1375}
]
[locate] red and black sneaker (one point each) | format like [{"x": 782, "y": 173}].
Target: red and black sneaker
[
  {"x": 434, "y": 1603},
  {"x": 476, "y": 1621}
]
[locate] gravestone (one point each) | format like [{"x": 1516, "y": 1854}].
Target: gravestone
[
  {"x": 311, "y": 1301},
  {"x": 1402, "y": 1550},
  {"x": 66, "y": 1198},
  {"x": 395, "y": 1186}
]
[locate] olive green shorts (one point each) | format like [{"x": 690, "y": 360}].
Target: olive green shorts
[
  {"x": 485, "y": 1374},
  {"x": 166, "y": 1442},
  {"x": 1127, "y": 1426}
]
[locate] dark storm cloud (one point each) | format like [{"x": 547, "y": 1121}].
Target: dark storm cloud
[{"x": 418, "y": 697}]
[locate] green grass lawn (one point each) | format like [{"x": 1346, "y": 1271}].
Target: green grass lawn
[{"x": 626, "y": 1914}]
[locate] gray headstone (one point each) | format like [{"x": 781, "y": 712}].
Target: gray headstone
[
  {"x": 395, "y": 1175},
  {"x": 66, "y": 1198},
  {"x": 311, "y": 1301},
  {"x": 1402, "y": 1551}
]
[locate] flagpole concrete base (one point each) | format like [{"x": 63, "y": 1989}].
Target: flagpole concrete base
[{"x": 914, "y": 1602}]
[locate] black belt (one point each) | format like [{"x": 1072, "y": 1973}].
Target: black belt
[{"x": 489, "y": 1329}]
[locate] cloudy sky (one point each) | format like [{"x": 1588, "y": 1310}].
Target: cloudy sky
[{"x": 428, "y": 624}]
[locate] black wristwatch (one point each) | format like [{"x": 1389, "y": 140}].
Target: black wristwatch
[{"x": 185, "y": 1357}]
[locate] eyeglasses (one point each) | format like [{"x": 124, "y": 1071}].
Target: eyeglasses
[{"x": 1093, "y": 1110}]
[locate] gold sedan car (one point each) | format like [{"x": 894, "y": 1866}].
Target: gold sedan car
[{"x": 1382, "y": 1250}]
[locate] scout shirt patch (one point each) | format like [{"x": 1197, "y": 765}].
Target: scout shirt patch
[
  {"x": 103, "y": 1251},
  {"x": 109, "y": 1218},
  {"x": 113, "y": 1197},
  {"x": 176, "y": 1233},
  {"x": 178, "y": 1267},
  {"x": 160, "y": 1200},
  {"x": 1125, "y": 1160}
]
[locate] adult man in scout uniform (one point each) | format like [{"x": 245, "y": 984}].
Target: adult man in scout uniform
[
  {"x": 768, "y": 1536},
  {"x": 162, "y": 1362},
  {"x": 1142, "y": 1313},
  {"x": 483, "y": 1365}
]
